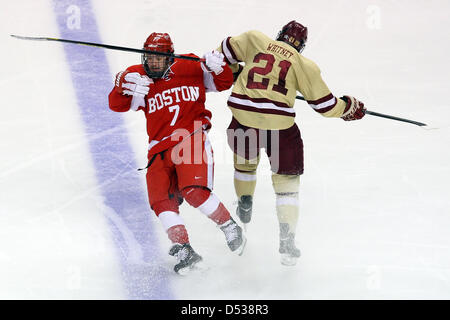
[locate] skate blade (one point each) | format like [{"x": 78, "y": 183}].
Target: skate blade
[
  {"x": 288, "y": 260},
  {"x": 184, "y": 271},
  {"x": 241, "y": 249},
  {"x": 187, "y": 269},
  {"x": 199, "y": 266}
]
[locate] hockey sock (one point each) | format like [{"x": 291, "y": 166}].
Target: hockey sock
[
  {"x": 207, "y": 202},
  {"x": 220, "y": 215},
  {"x": 178, "y": 234},
  {"x": 245, "y": 175},
  {"x": 244, "y": 183},
  {"x": 287, "y": 210},
  {"x": 286, "y": 190},
  {"x": 167, "y": 212}
]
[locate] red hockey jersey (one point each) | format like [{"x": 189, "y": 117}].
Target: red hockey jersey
[{"x": 174, "y": 103}]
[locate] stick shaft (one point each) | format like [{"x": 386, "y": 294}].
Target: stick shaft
[
  {"x": 108, "y": 46},
  {"x": 376, "y": 114}
]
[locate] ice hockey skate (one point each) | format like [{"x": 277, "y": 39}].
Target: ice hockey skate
[
  {"x": 186, "y": 256},
  {"x": 235, "y": 237},
  {"x": 289, "y": 252},
  {"x": 244, "y": 209}
]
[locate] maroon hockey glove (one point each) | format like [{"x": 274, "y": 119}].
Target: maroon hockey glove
[{"x": 354, "y": 110}]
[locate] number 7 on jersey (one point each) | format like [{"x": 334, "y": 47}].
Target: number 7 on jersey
[{"x": 175, "y": 108}]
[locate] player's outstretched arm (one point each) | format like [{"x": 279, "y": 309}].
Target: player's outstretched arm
[{"x": 218, "y": 75}]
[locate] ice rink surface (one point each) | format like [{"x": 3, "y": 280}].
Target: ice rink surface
[{"x": 374, "y": 199}]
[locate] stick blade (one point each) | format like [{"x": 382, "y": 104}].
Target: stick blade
[
  {"x": 30, "y": 38},
  {"x": 428, "y": 127}
]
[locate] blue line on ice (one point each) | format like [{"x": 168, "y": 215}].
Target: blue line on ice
[{"x": 125, "y": 202}]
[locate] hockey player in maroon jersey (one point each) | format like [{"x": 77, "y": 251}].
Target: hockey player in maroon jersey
[
  {"x": 262, "y": 103},
  {"x": 171, "y": 93}
]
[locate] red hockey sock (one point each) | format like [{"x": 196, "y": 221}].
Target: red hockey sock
[
  {"x": 220, "y": 215},
  {"x": 178, "y": 234},
  {"x": 207, "y": 203}
]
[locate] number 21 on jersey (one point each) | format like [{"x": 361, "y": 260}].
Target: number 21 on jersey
[{"x": 270, "y": 61}]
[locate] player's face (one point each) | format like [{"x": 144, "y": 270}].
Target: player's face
[{"x": 156, "y": 63}]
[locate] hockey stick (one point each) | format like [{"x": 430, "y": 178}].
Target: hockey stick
[
  {"x": 107, "y": 46},
  {"x": 376, "y": 114}
]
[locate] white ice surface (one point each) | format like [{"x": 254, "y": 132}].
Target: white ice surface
[{"x": 374, "y": 202}]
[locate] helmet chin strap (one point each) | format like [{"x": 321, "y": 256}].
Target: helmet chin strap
[{"x": 300, "y": 50}]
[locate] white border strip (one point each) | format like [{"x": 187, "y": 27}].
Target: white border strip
[
  {"x": 169, "y": 219},
  {"x": 287, "y": 201},
  {"x": 242, "y": 176},
  {"x": 260, "y": 105},
  {"x": 210, "y": 205},
  {"x": 208, "y": 81},
  {"x": 323, "y": 105},
  {"x": 227, "y": 52},
  {"x": 209, "y": 161}
]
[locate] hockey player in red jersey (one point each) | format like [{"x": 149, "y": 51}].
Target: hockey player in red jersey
[{"x": 171, "y": 93}]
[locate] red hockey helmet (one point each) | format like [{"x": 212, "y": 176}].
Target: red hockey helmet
[
  {"x": 294, "y": 34},
  {"x": 156, "y": 66}
]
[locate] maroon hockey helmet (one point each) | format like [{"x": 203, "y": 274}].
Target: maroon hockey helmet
[
  {"x": 294, "y": 34},
  {"x": 159, "y": 42}
]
